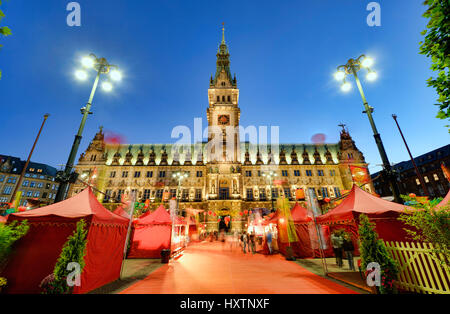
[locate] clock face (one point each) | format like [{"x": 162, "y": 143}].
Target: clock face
[{"x": 224, "y": 119}]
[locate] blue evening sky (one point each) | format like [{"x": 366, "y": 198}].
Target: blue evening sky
[{"x": 283, "y": 53}]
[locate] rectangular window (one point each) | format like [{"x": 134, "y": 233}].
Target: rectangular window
[
  {"x": 2, "y": 178},
  {"x": 297, "y": 173},
  {"x": 25, "y": 183},
  {"x": 332, "y": 173},
  {"x": 50, "y": 195},
  {"x": 337, "y": 192},
  {"x": 320, "y": 173},
  {"x": 40, "y": 185},
  {"x": 262, "y": 194},
  {"x": 146, "y": 194},
  {"x": 173, "y": 193},
  {"x": 107, "y": 197},
  {"x": 159, "y": 194},
  {"x": 119, "y": 195},
  {"x": 29, "y": 193},
  {"x": 149, "y": 174},
  {"x": 185, "y": 195},
  {"x": 250, "y": 194},
  {"x": 287, "y": 193},
  {"x": 112, "y": 174},
  {"x": 417, "y": 182},
  {"x": 199, "y": 174},
  {"x": 11, "y": 180},
  {"x": 53, "y": 187},
  {"x": 309, "y": 173},
  {"x": 48, "y": 186},
  {"x": 125, "y": 174},
  {"x": 162, "y": 174},
  {"x": 248, "y": 173},
  {"x": 426, "y": 179},
  {"x": 7, "y": 190},
  {"x": 284, "y": 173},
  {"x": 137, "y": 174},
  {"x": 274, "y": 193},
  {"x": 259, "y": 173},
  {"x": 435, "y": 176},
  {"x": 37, "y": 194},
  {"x": 44, "y": 195},
  {"x": 324, "y": 192},
  {"x": 198, "y": 194}
]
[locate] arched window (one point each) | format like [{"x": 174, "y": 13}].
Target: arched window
[
  {"x": 223, "y": 98},
  {"x": 218, "y": 98},
  {"x": 229, "y": 98},
  {"x": 223, "y": 83}
]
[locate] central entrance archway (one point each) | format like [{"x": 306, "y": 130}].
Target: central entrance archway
[{"x": 223, "y": 226}]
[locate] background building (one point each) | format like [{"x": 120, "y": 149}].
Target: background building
[
  {"x": 429, "y": 165},
  {"x": 225, "y": 183},
  {"x": 38, "y": 183}
]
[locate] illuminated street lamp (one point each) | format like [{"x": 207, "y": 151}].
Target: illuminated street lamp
[
  {"x": 180, "y": 176},
  {"x": 270, "y": 175},
  {"x": 101, "y": 66},
  {"x": 352, "y": 67}
]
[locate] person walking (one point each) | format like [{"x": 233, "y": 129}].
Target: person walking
[
  {"x": 337, "y": 242},
  {"x": 252, "y": 242},
  {"x": 269, "y": 241},
  {"x": 244, "y": 242},
  {"x": 348, "y": 249}
]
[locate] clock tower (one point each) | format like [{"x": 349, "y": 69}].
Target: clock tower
[{"x": 223, "y": 112}]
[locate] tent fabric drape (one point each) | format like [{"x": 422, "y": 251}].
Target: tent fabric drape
[
  {"x": 35, "y": 255},
  {"x": 445, "y": 201},
  {"x": 151, "y": 234}
]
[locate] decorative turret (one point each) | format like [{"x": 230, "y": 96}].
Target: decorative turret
[
  {"x": 317, "y": 159},
  {"x": 305, "y": 156},
  {"x": 152, "y": 157},
  {"x": 116, "y": 157},
  {"x": 282, "y": 157},
  {"x": 348, "y": 152},
  {"x": 247, "y": 158},
  {"x": 128, "y": 157},
  {"x": 294, "y": 157},
  {"x": 164, "y": 158},
  {"x": 140, "y": 157},
  {"x": 328, "y": 157},
  {"x": 259, "y": 160}
]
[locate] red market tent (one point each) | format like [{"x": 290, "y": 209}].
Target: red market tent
[
  {"x": 121, "y": 212},
  {"x": 383, "y": 213},
  {"x": 445, "y": 201},
  {"x": 151, "y": 235},
  {"x": 36, "y": 253}
]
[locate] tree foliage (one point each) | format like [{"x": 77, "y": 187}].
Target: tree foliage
[
  {"x": 4, "y": 30},
  {"x": 8, "y": 235},
  {"x": 372, "y": 249},
  {"x": 73, "y": 251},
  {"x": 437, "y": 46},
  {"x": 432, "y": 225}
]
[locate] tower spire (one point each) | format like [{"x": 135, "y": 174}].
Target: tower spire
[{"x": 223, "y": 33}]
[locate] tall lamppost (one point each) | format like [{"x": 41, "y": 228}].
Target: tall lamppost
[
  {"x": 101, "y": 66},
  {"x": 270, "y": 175},
  {"x": 352, "y": 67},
  {"x": 179, "y": 176}
]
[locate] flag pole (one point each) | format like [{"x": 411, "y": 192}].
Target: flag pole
[
  {"x": 312, "y": 204},
  {"x": 132, "y": 204}
]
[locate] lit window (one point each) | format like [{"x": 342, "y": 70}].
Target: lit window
[
  {"x": 417, "y": 182},
  {"x": 435, "y": 176},
  {"x": 426, "y": 179}
]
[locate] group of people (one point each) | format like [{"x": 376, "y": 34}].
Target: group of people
[
  {"x": 343, "y": 245},
  {"x": 248, "y": 242}
]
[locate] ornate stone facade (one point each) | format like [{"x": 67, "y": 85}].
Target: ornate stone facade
[{"x": 228, "y": 183}]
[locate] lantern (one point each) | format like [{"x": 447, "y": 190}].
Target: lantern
[
  {"x": 412, "y": 195},
  {"x": 227, "y": 220},
  {"x": 214, "y": 214},
  {"x": 250, "y": 212},
  {"x": 218, "y": 220},
  {"x": 246, "y": 212},
  {"x": 240, "y": 213},
  {"x": 327, "y": 199},
  {"x": 210, "y": 213}
]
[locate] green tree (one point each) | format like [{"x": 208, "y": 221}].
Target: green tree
[
  {"x": 4, "y": 30},
  {"x": 437, "y": 46},
  {"x": 8, "y": 235},
  {"x": 73, "y": 251},
  {"x": 372, "y": 249},
  {"x": 429, "y": 224}
]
